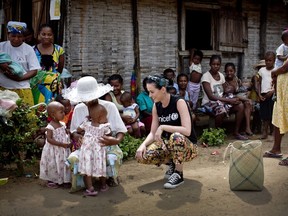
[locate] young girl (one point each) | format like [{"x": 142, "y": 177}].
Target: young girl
[
  {"x": 265, "y": 92},
  {"x": 182, "y": 81},
  {"x": 92, "y": 157},
  {"x": 195, "y": 69},
  {"x": 56, "y": 148},
  {"x": 135, "y": 127}
]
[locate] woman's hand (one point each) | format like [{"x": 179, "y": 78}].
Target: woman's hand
[
  {"x": 108, "y": 140},
  {"x": 5, "y": 68},
  {"x": 65, "y": 145},
  {"x": 140, "y": 153},
  {"x": 235, "y": 101},
  {"x": 77, "y": 137}
]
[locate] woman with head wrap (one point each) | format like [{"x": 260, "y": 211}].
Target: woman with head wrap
[{"x": 22, "y": 54}]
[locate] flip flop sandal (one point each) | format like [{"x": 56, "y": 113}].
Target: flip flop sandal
[
  {"x": 241, "y": 137},
  {"x": 269, "y": 154},
  {"x": 90, "y": 193},
  {"x": 106, "y": 188},
  {"x": 52, "y": 185},
  {"x": 284, "y": 162}
]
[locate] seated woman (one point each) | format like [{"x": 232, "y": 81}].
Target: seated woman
[
  {"x": 212, "y": 83},
  {"x": 242, "y": 92},
  {"x": 145, "y": 106},
  {"x": 116, "y": 81}
]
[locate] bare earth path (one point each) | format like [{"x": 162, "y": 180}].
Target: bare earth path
[{"x": 205, "y": 192}]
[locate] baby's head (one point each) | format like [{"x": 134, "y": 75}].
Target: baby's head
[
  {"x": 172, "y": 90},
  {"x": 97, "y": 112},
  {"x": 197, "y": 57},
  {"x": 65, "y": 102},
  {"x": 169, "y": 74},
  {"x": 229, "y": 89},
  {"x": 56, "y": 111},
  {"x": 284, "y": 37},
  {"x": 126, "y": 99}
]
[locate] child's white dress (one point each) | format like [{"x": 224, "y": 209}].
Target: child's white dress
[
  {"x": 52, "y": 164},
  {"x": 92, "y": 158}
]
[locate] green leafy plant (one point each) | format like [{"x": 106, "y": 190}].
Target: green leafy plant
[
  {"x": 17, "y": 137},
  {"x": 129, "y": 146},
  {"x": 213, "y": 136}
]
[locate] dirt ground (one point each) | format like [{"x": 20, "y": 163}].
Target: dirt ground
[{"x": 205, "y": 192}]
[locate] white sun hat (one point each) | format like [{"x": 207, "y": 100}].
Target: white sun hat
[{"x": 87, "y": 89}]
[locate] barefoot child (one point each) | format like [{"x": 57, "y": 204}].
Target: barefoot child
[
  {"x": 265, "y": 92},
  {"x": 56, "y": 148},
  {"x": 92, "y": 157}
]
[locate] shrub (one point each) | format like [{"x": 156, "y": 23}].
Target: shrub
[
  {"x": 129, "y": 145},
  {"x": 17, "y": 136},
  {"x": 213, "y": 136}
]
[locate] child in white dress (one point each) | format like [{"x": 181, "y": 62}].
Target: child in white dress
[
  {"x": 92, "y": 158},
  {"x": 56, "y": 148}
]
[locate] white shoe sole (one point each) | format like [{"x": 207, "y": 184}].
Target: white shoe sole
[{"x": 169, "y": 186}]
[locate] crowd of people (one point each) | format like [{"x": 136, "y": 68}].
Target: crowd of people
[{"x": 91, "y": 118}]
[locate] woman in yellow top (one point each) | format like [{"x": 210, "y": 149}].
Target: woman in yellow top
[
  {"x": 280, "y": 115},
  {"x": 51, "y": 58}
]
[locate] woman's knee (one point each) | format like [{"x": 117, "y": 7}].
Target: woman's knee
[{"x": 238, "y": 107}]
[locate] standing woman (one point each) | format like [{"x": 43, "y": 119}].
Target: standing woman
[
  {"x": 24, "y": 55},
  {"x": 170, "y": 139},
  {"x": 51, "y": 59},
  {"x": 280, "y": 114}
]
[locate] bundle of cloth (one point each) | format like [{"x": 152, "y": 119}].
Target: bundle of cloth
[
  {"x": 7, "y": 104},
  {"x": 16, "y": 68}
]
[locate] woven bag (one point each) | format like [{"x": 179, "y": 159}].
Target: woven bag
[{"x": 246, "y": 166}]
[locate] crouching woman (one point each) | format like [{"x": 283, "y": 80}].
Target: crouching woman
[{"x": 171, "y": 138}]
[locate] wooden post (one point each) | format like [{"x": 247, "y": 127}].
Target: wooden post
[
  {"x": 179, "y": 16},
  {"x": 136, "y": 45},
  {"x": 263, "y": 28}
]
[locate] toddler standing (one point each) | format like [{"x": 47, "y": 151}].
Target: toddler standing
[
  {"x": 135, "y": 127},
  {"x": 195, "y": 69},
  {"x": 56, "y": 148},
  {"x": 265, "y": 92},
  {"x": 92, "y": 157}
]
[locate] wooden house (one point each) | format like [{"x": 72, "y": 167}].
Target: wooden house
[{"x": 102, "y": 37}]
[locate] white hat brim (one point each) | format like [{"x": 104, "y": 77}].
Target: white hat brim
[{"x": 73, "y": 95}]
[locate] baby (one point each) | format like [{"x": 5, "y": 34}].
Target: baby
[{"x": 135, "y": 127}]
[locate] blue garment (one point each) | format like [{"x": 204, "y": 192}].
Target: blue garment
[{"x": 16, "y": 68}]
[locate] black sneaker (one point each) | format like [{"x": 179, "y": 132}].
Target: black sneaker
[
  {"x": 170, "y": 171},
  {"x": 174, "y": 181}
]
